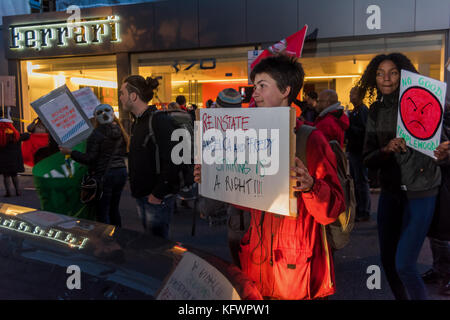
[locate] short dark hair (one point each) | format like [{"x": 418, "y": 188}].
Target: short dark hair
[
  {"x": 285, "y": 70},
  {"x": 144, "y": 88},
  {"x": 181, "y": 100},
  {"x": 312, "y": 94}
]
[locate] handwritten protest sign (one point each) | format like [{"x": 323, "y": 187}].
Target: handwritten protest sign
[
  {"x": 87, "y": 100},
  {"x": 246, "y": 156},
  {"x": 420, "y": 112},
  {"x": 196, "y": 279},
  {"x": 63, "y": 117}
]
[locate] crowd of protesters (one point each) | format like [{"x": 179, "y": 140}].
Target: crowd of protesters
[{"x": 286, "y": 258}]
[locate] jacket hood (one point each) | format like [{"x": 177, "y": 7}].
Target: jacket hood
[
  {"x": 337, "y": 111},
  {"x": 334, "y": 107}
]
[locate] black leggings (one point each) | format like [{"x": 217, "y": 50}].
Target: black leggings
[{"x": 7, "y": 184}]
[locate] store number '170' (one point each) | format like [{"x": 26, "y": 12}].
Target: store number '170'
[{"x": 204, "y": 64}]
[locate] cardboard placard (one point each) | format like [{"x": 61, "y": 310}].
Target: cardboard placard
[
  {"x": 63, "y": 116},
  {"x": 252, "y": 170},
  {"x": 420, "y": 111},
  {"x": 8, "y": 91},
  {"x": 87, "y": 100},
  {"x": 196, "y": 279}
]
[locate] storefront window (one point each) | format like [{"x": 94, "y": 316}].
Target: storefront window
[
  {"x": 39, "y": 77},
  {"x": 201, "y": 74},
  {"x": 338, "y": 65},
  {"x": 198, "y": 75}
]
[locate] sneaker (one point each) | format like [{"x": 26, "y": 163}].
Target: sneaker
[
  {"x": 445, "y": 287},
  {"x": 431, "y": 276}
]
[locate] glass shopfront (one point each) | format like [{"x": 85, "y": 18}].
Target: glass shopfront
[
  {"x": 338, "y": 65},
  {"x": 199, "y": 75},
  {"x": 39, "y": 77}
]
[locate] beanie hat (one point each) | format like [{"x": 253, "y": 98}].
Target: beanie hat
[{"x": 229, "y": 98}]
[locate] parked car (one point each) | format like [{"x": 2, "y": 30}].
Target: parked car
[{"x": 45, "y": 255}]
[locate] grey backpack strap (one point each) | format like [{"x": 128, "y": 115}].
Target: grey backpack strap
[
  {"x": 151, "y": 135},
  {"x": 302, "y": 138}
]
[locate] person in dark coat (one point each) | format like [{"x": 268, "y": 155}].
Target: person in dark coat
[
  {"x": 355, "y": 143},
  {"x": 107, "y": 144},
  {"x": 439, "y": 233},
  {"x": 409, "y": 179},
  {"x": 11, "y": 161}
]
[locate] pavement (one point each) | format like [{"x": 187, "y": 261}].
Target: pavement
[{"x": 353, "y": 264}]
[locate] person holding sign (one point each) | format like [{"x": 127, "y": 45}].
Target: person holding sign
[
  {"x": 409, "y": 179},
  {"x": 105, "y": 156},
  {"x": 289, "y": 258}
]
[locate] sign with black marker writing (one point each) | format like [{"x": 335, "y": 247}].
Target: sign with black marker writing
[
  {"x": 246, "y": 155},
  {"x": 196, "y": 279}
]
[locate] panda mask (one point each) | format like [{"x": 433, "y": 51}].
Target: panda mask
[{"x": 104, "y": 114}]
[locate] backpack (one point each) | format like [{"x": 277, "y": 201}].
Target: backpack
[
  {"x": 338, "y": 232},
  {"x": 181, "y": 120}
]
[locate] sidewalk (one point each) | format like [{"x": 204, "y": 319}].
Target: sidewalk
[{"x": 351, "y": 263}]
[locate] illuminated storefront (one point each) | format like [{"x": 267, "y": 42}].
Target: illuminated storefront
[{"x": 197, "y": 48}]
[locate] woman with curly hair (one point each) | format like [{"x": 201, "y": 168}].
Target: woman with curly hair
[{"x": 409, "y": 180}]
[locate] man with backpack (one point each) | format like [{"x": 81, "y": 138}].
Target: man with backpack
[
  {"x": 290, "y": 258},
  {"x": 153, "y": 175}
]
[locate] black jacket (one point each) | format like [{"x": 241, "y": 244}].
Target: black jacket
[
  {"x": 440, "y": 227},
  {"x": 356, "y": 131},
  {"x": 144, "y": 179},
  {"x": 416, "y": 171},
  {"x": 100, "y": 146},
  {"x": 11, "y": 160}
]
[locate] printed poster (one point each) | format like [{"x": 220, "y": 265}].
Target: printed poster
[{"x": 63, "y": 117}]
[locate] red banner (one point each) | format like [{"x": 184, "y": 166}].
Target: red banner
[{"x": 292, "y": 46}]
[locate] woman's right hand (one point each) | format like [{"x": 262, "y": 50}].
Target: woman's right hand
[
  {"x": 396, "y": 145},
  {"x": 198, "y": 173}
]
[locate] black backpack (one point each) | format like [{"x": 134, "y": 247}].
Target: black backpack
[
  {"x": 338, "y": 232},
  {"x": 181, "y": 120}
]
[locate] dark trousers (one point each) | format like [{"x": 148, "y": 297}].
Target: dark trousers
[
  {"x": 402, "y": 227},
  {"x": 360, "y": 177},
  {"x": 108, "y": 205},
  {"x": 440, "y": 249}
]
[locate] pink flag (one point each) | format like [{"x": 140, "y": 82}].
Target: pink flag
[{"x": 292, "y": 46}]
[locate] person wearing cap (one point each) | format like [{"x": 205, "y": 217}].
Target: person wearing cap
[
  {"x": 106, "y": 149},
  {"x": 229, "y": 98}
]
